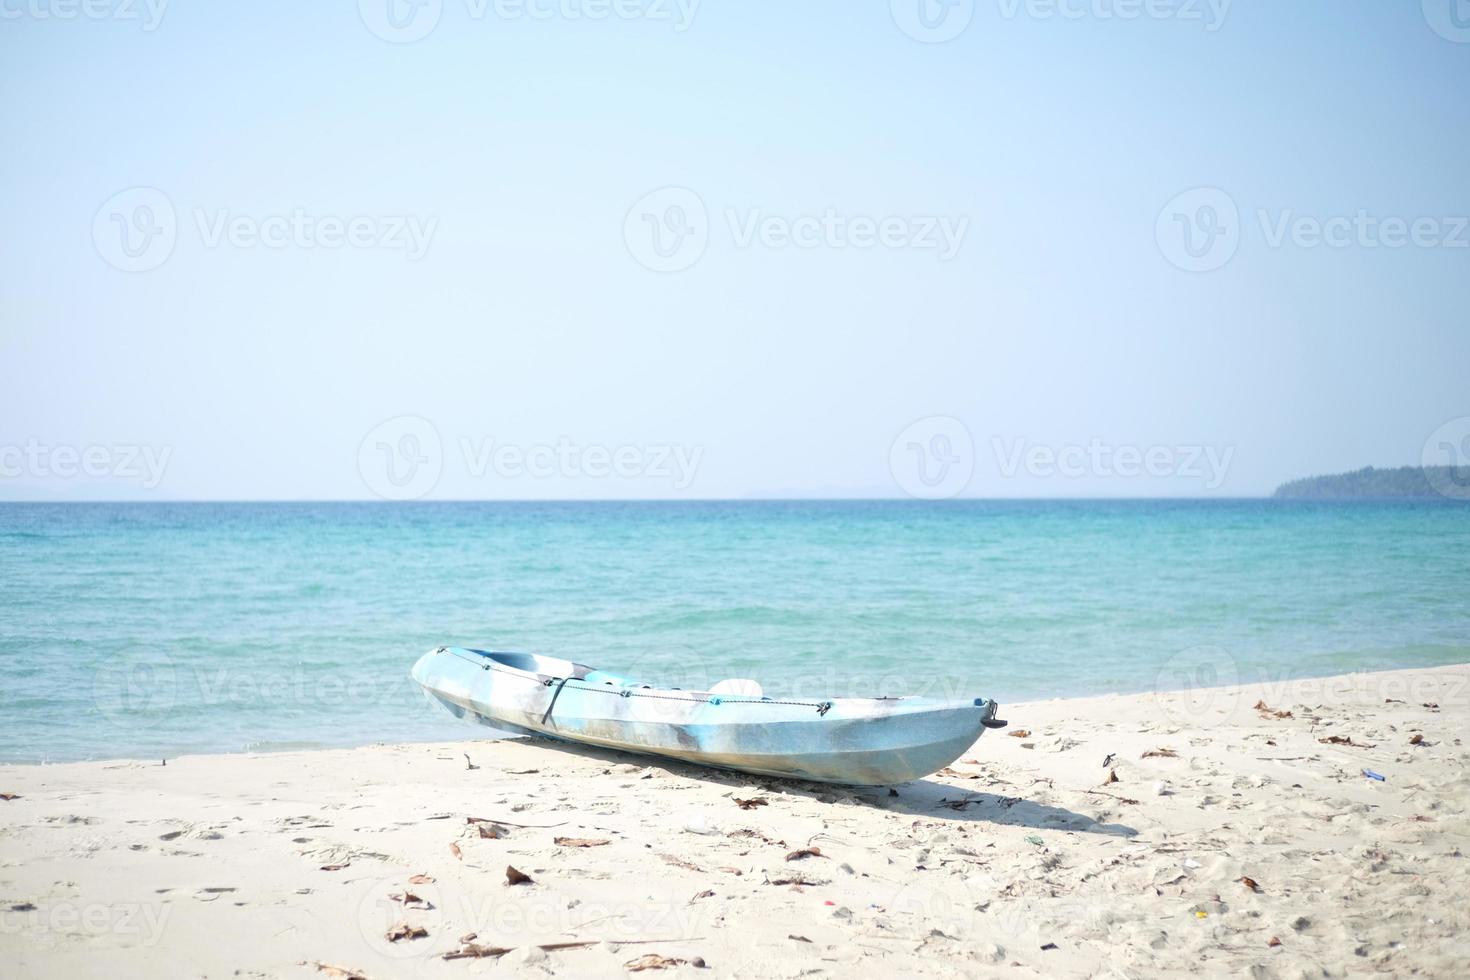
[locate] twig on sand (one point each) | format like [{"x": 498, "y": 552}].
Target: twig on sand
[
  {"x": 1120, "y": 799},
  {"x": 474, "y": 951},
  {"x": 532, "y": 826}
]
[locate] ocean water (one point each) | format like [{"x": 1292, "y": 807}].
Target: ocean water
[{"x": 150, "y": 630}]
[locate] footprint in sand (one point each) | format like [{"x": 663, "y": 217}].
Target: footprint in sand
[{"x": 211, "y": 894}]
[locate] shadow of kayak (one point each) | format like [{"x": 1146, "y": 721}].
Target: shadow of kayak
[{"x": 920, "y": 798}]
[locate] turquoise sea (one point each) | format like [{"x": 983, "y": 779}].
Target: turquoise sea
[{"x": 149, "y": 630}]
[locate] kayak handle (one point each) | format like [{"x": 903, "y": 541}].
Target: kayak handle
[{"x": 990, "y": 721}]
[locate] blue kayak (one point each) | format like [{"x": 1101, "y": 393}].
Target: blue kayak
[{"x": 855, "y": 741}]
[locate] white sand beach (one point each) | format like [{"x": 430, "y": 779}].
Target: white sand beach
[{"x": 1234, "y": 840}]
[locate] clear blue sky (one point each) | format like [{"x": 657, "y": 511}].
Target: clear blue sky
[{"x": 523, "y": 142}]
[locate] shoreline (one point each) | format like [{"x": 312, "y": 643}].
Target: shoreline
[
  {"x": 1227, "y": 827},
  {"x": 1282, "y": 686}
]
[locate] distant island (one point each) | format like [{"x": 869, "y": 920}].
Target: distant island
[{"x": 1406, "y": 481}]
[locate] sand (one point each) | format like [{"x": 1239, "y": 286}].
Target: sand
[{"x": 1233, "y": 841}]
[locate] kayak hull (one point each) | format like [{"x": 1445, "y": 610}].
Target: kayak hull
[{"x": 853, "y": 741}]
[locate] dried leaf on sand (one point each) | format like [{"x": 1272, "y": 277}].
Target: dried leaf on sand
[
  {"x": 1249, "y": 883},
  {"x": 473, "y": 951},
  {"x": 1020, "y": 733},
  {"x": 514, "y": 876},
  {"x": 1343, "y": 740},
  {"x": 410, "y": 900},
  {"x": 1269, "y": 712},
  {"x": 339, "y": 972},
  {"x": 805, "y": 852},
  {"x": 752, "y": 803},
  {"x": 580, "y": 841},
  {"x": 796, "y": 880},
  {"x": 454, "y": 849},
  {"x": 1160, "y": 754},
  {"x": 653, "y": 961},
  {"x": 755, "y": 835},
  {"x": 405, "y": 931},
  {"x": 421, "y": 880}
]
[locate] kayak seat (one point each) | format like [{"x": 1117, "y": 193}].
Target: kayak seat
[
  {"x": 738, "y": 687},
  {"x": 611, "y": 679}
]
